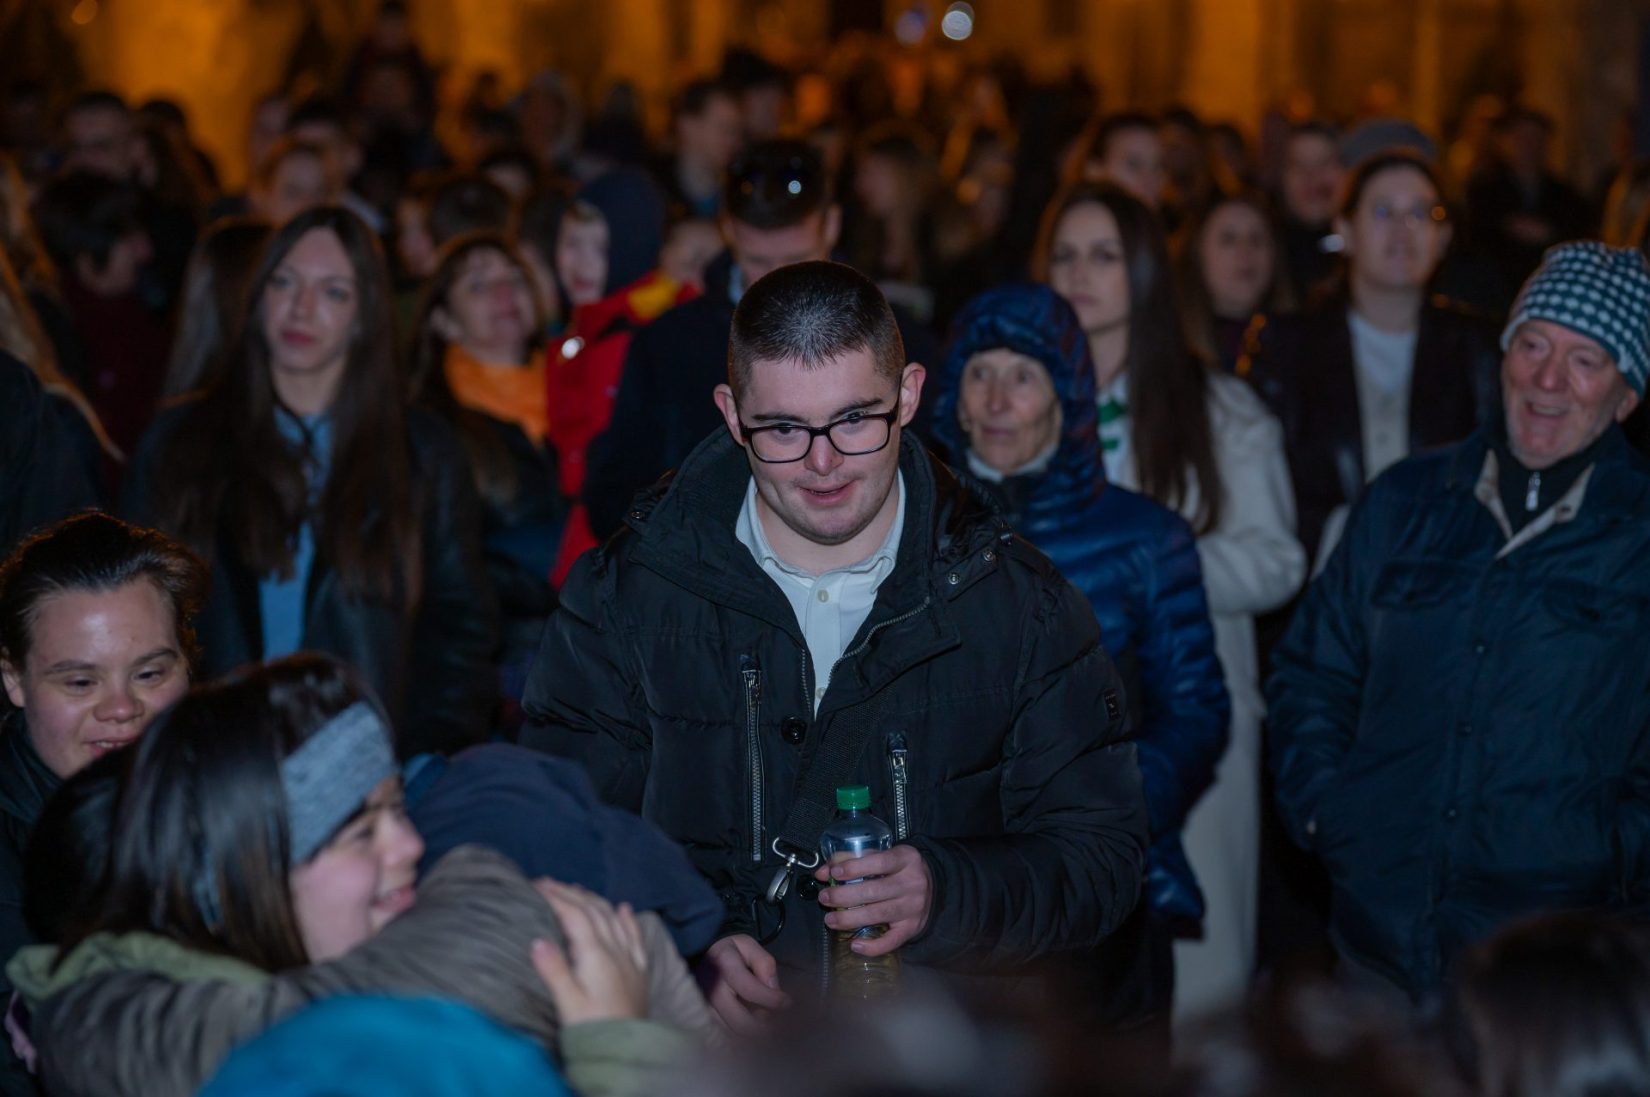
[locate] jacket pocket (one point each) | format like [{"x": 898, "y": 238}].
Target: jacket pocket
[{"x": 1418, "y": 584}]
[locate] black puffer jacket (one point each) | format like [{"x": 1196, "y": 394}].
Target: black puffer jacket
[
  {"x": 675, "y": 669},
  {"x": 432, "y": 666}
]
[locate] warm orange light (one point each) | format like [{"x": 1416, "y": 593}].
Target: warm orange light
[{"x": 84, "y": 12}]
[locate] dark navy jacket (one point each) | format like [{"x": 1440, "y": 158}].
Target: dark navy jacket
[
  {"x": 1462, "y": 732},
  {"x": 1136, "y": 561}
]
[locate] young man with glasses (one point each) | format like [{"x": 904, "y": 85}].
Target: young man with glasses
[
  {"x": 811, "y": 575},
  {"x": 777, "y": 209}
]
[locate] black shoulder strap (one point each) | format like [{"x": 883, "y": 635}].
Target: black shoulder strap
[{"x": 822, "y": 773}]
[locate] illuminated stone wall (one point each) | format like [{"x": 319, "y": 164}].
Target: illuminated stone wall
[{"x": 1225, "y": 58}]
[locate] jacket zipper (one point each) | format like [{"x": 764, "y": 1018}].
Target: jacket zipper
[
  {"x": 865, "y": 643},
  {"x": 753, "y": 754},
  {"x": 901, "y": 780}
]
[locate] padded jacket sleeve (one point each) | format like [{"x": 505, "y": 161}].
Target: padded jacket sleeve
[
  {"x": 578, "y": 701},
  {"x": 1315, "y": 692},
  {"x": 1185, "y": 709},
  {"x": 1068, "y": 869},
  {"x": 132, "y": 1033}
]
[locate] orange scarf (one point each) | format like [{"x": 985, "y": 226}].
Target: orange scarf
[{"x": 514, "y": 394}]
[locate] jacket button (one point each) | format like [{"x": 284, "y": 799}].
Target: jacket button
[
  {"x": 1452, "y": 814},
  {"x": 988, "y": 555},
  {"x": 793, "y": 728},
  {"x": 1479, "y": 648},
  {"x": 953, "y": 578}
]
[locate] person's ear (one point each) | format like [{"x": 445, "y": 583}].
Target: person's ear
[
  {"x": 444, "y": 324},
  {"x": 729, "y": 407},
  {"x": 910, "y": 391},
  {"x": 13, "y": 678},
  {"x": 831, "y": 229},
  {"x": 1446, "y": 233},
  {"x": 1628, "y": 405}
]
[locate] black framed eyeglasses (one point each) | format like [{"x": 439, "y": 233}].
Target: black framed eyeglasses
[{"x": 854, "y": 435}]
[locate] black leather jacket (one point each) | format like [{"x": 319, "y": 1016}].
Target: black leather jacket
[{"x": 432, "y": 667}]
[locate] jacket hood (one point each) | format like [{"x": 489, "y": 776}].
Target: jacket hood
[
  {"x": 635, "y": 212},
  {"x": 1035, "y": 321},
  {"x": 37, "y": 975}
]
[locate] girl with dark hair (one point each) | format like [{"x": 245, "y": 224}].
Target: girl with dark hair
[
  {"x": 95, "y": 641},
  {"x": 1375, "y": 369},
  {"x": 260, "y": 859},
  {"x": 214, "y": 300},
  {"x": 1202, "y": 444},
  {"x": 332, "y": 517},
  {"x": 475, "y": 364},
  {"x": 1230, "y": 273}
]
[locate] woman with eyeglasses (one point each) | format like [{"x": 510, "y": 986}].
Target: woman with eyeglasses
[
  {"x": 1375, "y": 368},
  {"x": 1202, "y": 444}
]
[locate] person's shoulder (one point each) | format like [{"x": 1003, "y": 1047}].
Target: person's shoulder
[
  {"x": 1443, "y": 470},
  {"x": 430, "y": 434},
  {"x": 1458, "y": 317},
  {"x": 1236, "y": 410}
]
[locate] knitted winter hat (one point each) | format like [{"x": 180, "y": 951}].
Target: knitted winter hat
[{"x": 1598, "y": 291}]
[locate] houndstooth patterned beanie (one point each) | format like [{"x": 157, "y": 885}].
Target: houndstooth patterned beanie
[{"x": 1598, "y": 291}]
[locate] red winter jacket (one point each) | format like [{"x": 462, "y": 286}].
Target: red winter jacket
[{"x": 583, "y": 378}]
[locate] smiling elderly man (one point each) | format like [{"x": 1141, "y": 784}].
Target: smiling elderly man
[{"x": 1461, "y": 708}]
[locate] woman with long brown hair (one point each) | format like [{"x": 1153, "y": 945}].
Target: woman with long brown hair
[
  {"x": 333, "y": 518},
  {"x": 1200, "y": 443}
]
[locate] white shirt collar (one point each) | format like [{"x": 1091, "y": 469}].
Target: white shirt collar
[{"x": 748, "y": 529}]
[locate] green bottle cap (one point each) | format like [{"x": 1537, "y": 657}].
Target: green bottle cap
[{"x": 853, "y": 798}]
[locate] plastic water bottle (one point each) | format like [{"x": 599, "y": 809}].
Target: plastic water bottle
[{"x": 853, "y": 833}]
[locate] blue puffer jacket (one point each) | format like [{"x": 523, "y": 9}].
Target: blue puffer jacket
[{"x": 1135, "y": 560}]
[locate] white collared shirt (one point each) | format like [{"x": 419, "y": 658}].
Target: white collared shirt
[{"x": 831, "y": 607}]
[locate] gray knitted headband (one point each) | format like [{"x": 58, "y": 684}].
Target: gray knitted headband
[
  {"x": 325, "y": 782},
  {"x": 331, "y": 774}
]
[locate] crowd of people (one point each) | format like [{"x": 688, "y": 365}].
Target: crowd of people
[{"x": 446, "y": 583}]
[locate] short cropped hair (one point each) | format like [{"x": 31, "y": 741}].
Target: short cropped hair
[{"x": 812, "y": 314}]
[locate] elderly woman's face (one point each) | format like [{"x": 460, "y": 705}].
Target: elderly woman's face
[{"x": 1008, "y": 408}]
